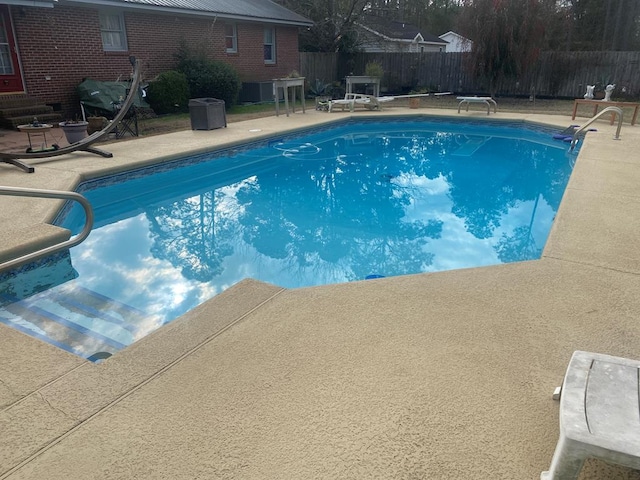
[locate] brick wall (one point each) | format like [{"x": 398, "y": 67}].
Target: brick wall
[{"x": 61, "y": 46}]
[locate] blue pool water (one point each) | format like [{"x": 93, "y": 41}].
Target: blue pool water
[{"x": 362, "y": 199}]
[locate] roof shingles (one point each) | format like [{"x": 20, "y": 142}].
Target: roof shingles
[{"x": 264, "y": 10}]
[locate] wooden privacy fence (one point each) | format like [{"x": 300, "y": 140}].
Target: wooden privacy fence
[{"x": 554, "y": 74}]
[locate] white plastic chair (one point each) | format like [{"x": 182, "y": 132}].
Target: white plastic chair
[{"x": 599, "y": 414}]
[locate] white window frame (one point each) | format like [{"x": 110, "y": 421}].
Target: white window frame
[
  {"x": 233, "y": 37},
  {"x": 113, "y": 30},
  {"x": 6, "y": 62},
  {"x": 271, "y": 31}
]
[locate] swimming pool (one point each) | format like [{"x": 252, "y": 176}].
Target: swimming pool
[{"x": 342, "y": 203}]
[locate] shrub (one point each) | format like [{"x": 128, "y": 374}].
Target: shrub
[
  {"x": 209, "y": 78},
  {"x": 169, "y": 93},
  {"x": 373, "y": 69},
  {"x": 319, "y": 88}
]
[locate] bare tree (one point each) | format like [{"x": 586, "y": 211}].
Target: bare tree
[
  {"x": 507, "y": 37},
  {"x": 333, "y": 29},
  {"x": 601, "y": 24},
  {"x": 434, "y": 16},
  {"x": 507, "y": 33}
]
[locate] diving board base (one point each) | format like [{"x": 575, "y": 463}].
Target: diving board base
[{"x": 488, "y": 101}]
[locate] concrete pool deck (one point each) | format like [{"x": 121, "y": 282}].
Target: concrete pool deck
[{"x": 445, "y": 375}]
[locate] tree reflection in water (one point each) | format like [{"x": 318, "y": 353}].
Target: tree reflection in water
[
  {"x": 339, "y": 207},
  {"x": 385, "y": 198}
]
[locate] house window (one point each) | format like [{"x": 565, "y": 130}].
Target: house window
[
  {"x": 114, "y": 37},
  {"x": 231, "y": 38},
  {"x": 269, "y": 45},
  {"x": 6, "y": 65}
]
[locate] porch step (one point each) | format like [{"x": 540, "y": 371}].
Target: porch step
[
  {"x": 20, "y": 109},
  {"x": 16, "y": 100},
  {"x": 13, "y": 122},
  {"x": 23, "y": 110}
]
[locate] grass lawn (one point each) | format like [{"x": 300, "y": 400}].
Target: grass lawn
[
  {"x": 182, "y": 121},
  {"x": 172, "y": 123}
]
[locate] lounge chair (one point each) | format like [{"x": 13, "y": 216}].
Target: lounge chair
[
  {"x": 599, "y": 414},
  {"x": 347, "y": 101},
  {"x": 371, "y": 102},
  {"x": 367, "y": 101}
]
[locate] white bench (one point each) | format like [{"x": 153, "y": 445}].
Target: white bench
[
  {"x": 599, "y": 415},
  {"x": 488, "y": 101}
]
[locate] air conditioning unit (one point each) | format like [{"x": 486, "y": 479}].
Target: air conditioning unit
[{"x": 258, "y": 92}]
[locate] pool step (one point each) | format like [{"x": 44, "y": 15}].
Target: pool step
[
  {"x": 53, "y": 328},
  {"x": 78, "y": 320},
  {"x": 81, "y": 299}
]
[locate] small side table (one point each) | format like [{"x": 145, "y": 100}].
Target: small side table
[
  {"x": 352, "y": 80},
  {"x": 37, "y": 130},
  {"x": 285, "y": 84}
]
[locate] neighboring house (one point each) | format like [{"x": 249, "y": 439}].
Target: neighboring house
[
  {"x": 456, "y": 42},
  {"x": 378, "y": 34},
  {"x": 47, "y": 47}
]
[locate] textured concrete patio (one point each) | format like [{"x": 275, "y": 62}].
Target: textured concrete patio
[{"x": 435, "y": 376}]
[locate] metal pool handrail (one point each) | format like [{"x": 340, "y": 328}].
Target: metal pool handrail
[
  {"x": 62, "y": 195},
  {"x": 617, "y": 110}
]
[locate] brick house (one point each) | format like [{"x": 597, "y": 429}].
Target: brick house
[{"x": 48, "y": 46}]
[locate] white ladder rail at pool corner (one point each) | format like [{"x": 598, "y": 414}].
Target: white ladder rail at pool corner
[
  {"x": 615, "y": 110},
  {"x": 50, "y": 250}
]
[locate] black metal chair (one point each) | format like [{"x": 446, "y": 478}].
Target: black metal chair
[{"x": 129, "y": 122}]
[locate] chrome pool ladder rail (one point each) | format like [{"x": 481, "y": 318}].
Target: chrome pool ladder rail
[
  {"x": 617, "y": 110},
  {"x": 55, "y": 194}
]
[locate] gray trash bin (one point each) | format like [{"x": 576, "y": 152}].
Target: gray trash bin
[{"x": 207, "y": 113}]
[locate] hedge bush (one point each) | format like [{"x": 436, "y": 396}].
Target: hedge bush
[
  {"x": 210, "y": 78},
  {"x": 169, "y": 93}
]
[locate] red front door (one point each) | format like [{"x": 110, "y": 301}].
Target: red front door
[{"x": 10, "y": 77}]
